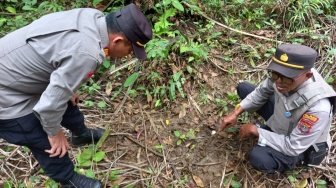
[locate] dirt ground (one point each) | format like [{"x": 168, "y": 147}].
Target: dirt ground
[
  {"x": 205, "y": 160},
  {"x": 144, "y": 150}
]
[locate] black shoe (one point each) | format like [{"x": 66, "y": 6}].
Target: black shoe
[
  {"x": 86, "y": 136},
  {"x": 80, "y": 181}
]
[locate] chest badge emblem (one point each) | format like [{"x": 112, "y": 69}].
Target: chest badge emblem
[{"x": 288, "y": 114}]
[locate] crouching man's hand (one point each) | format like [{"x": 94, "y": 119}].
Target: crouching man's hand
[
  {"x": 247, "y": 130},
  {"x": 230, "y": 120}
]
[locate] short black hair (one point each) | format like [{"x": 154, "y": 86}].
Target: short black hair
[{"x": 112, "y": 25}]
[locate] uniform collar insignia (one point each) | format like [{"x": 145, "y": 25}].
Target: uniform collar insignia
[{"x": 106, "y": 51}]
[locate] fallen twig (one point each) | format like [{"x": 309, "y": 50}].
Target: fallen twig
[
  {"x": 6, "y": 13},
  {"x": 108, "y": 172},
  {"x": 123, "y": 66},
  {"x": 227, "y": 71},
  {"x": 193, "y": 102},
  {"x": 224, "y": 170},
  {"x": 146, "y": 148},
  {"x": 206, "y": 164},
  {"x": 154, "y": 152},
  {"x": 323, "y": 168},
  {"x": 230, "y": 28},
  {"x": 249, "y": 174},
  {"x": 134, "y": 167},
  {"x": 130, "y": 87},
  {"x": 175, "y": 175}
]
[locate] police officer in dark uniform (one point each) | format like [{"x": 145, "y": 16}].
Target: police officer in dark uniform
[
  {"x": 297, "y": 104},
  {"x": 43, "y": 64}
]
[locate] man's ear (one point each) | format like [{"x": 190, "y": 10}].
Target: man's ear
[{"x": 115, "y": 38}]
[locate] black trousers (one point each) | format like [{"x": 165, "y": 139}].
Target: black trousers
[
  {"x": 27, "y": 131},
  {"x": 264, "y": 158}
]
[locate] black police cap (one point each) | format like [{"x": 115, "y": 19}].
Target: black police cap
[
  {"x": 292, "y": 59},
  {"x": 135, "y": 27}
]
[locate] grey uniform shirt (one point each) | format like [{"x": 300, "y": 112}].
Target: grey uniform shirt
[
  {"x": 297, "y": 142},
  {"x": 43, "y": 64}
]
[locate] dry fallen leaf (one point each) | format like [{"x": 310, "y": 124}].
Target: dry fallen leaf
[
  {"x": 118, "y": 181},
  {"x": 175, "y": 69},
  {"x": 168, "y": 140},
  {"x": 108, "y": 89},
  {"x": 302, "y": 184},
  {"x": 198, "y": 181},
  {"x": 149, "y": 98},
  {"x": 182, "y": 112},
  {"x": 230, "y": 135}
]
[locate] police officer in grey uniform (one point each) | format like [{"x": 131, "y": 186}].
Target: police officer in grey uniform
[
  {"x": 43, "y": 64},
  {"x": 297, "y": 104}
]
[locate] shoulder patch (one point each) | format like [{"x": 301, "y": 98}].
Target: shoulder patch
[
  {"x": 89, "y": 75},
  {"x": 310, "y": 117},
  {"x": 306, "y": 123}
]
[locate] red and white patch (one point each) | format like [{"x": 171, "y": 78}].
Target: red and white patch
[
  {"x": 89, "y": 75},
  {"x": 306, "y": 123}
]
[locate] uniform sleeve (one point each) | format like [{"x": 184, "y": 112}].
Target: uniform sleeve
[
  {"x": 72, "y": 71},
  {"x": 257, "y": 98},
  {"x": 309, "y": 128}
]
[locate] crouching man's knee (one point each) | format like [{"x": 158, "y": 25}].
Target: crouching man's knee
[{"x": 262, "y": 160}]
